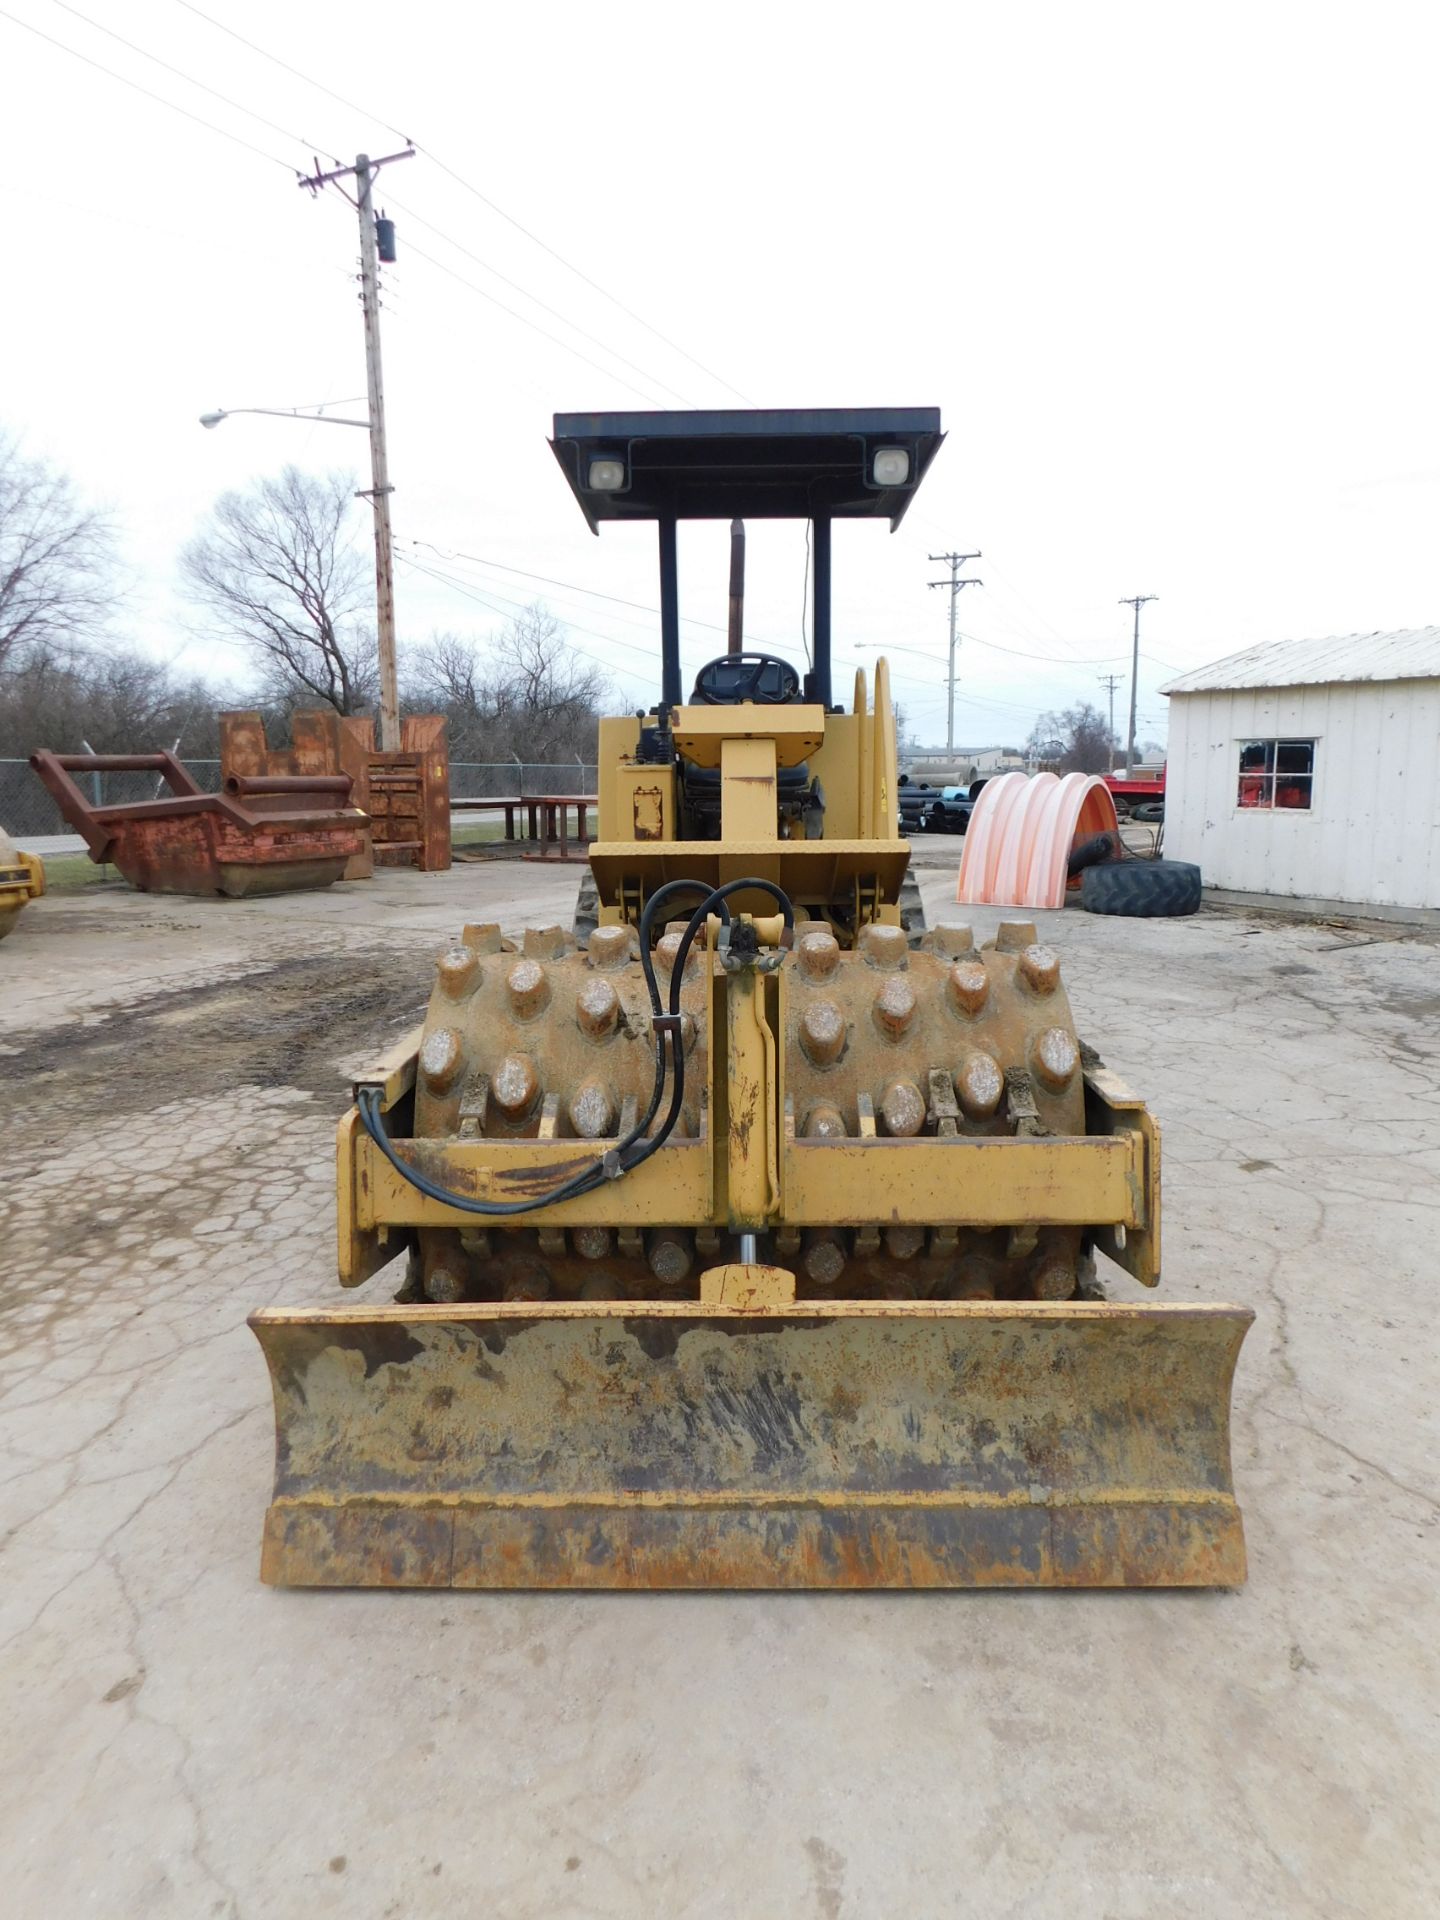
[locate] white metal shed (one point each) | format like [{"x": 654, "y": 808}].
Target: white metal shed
[{"x": 1309, "y": 770}]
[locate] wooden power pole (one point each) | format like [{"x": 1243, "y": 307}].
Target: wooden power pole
[
  {"x": 379, "y": 465},
  {"x": 1110, "y": 681},
  {"x": 954, "y": 583},
  {"x": 379, "y": 491},
  {"x": 1135, "y": 600}
]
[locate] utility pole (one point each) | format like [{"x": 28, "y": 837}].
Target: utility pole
[
  {"x": 1136, "y": 600},
  {"x": 1110, "y": 681},
  {"x": 954, "y": 561},
  {"x": 379, "y": 491}
]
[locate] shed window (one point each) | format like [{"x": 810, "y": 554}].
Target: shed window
[{"x": 1277, "y": 773}]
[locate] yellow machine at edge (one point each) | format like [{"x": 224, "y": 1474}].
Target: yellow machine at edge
[
  {"x": 747, "y": 1230},
  {"x": 22, "y": 878}
]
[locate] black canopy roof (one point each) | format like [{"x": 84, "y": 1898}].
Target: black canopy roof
[{"x": 762, "y": 464}]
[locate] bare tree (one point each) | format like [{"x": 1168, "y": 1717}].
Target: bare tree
[
  {"x": 57, "y": 561},
  {"x": 1075, "y": 741},
  {"x": 547, "y": 694},
  {"x": 120, "y": 700},
  {"x": 443, "y": 675},
  {"x": 526, "y": 694},
  {"x": 278, "y": 569}
]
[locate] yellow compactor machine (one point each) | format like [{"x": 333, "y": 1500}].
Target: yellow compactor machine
[
  {"x": 22, "y": 878},
  {"x": 747, "y": 1229}
]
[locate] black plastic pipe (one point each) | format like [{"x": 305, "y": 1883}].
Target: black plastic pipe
[
  {"x": 820, "y": 671},
  {"x": 670, "y": 690}
]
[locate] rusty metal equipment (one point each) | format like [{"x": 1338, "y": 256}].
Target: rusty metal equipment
[
  {"x": 22, "y": 878},
  {"x": 271, "y": 834},
  {"x": 748, "y": 1234},
  {"x": 319, "y": 746},
  {"x": 407, "y": 794}
]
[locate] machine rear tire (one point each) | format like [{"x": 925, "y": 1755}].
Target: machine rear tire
[
  {"x": 1142, "y": 889},
  {"x": 587, "y": 909}
]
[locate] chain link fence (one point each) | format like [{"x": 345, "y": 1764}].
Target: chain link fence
[
  {"x": 27, "y": 811},
  {"x": 493, "y": 780}
]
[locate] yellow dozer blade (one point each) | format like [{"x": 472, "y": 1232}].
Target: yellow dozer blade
[
  {"x": 834, "y": 1444},
  {"x": 822, "y": 1323}
]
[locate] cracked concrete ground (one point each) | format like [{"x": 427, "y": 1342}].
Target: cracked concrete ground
[{"x": 181, "y": 1741}]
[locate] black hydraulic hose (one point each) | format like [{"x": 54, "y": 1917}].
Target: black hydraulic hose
[
  {"x": 586, "y": 1181},
  {"x": 715, "y": 901},
  {"x": 368, "y": 1101},
  {"x": 669, "y": 891}
]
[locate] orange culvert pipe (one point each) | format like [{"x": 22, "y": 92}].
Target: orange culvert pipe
[{"x": 1020, "y": 836}]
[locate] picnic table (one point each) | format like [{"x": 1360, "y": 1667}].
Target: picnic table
[{"x": 547, "y": 818}]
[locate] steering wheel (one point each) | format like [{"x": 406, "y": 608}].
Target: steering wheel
[{"x": 741, "y": 676}]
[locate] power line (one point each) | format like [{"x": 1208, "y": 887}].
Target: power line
[
  {"x": 570, "y": 267},
  {"x": 159, "y": 98},
  {"x": 1066, "y": 659},
  {"x": 544, "y": 307},
  {"x": 461, "y": 586},
  {"x": 1030, "y": 605},
  {"x": 534, "y": 326},
  {"x": 610, "y": 640},
  {"x": 647, "y": 653},
  {"x": 275, "y": 60},
  {"x": 180, "y": 74},
  {"x": 212, "y": 242},
  {"x": 572, "y": 586},
  {"x": 902, "y": 678},
  {"x": 1008, "y": 590},
  {"x": 469, "y": 187},
  {"x": 1011, "y": 590},
  {"x": 457, "y": 586},
  {"x": 1049, "y": 659}
]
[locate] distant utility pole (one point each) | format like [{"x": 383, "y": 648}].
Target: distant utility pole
[
  {"x": 379, "y": 491},
  {"x": 954, "y": 561},
  {"x": 1136, "y": 600},
  {"x": 1110, "y": 681}
]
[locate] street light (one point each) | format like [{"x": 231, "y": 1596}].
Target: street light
[
  {"x": 284, "y": 413},
  {"x": 379, "y": 498}
]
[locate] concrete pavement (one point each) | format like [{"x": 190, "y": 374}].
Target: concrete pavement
[{"x": 182, "y": 1741}]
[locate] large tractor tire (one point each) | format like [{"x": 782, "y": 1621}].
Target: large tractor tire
[{"x": 1142, "y": 889}]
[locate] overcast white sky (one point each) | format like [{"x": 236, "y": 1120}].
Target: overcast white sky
[{"x": 1169, "y": 272}]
